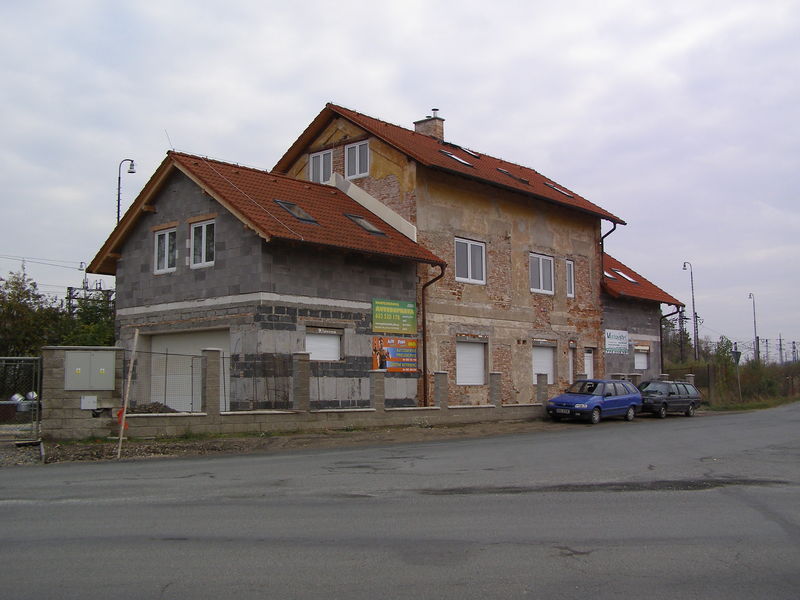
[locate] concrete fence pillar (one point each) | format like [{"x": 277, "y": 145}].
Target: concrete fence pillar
[
  {"x": 580, "y": 376},
  {"x": 690, "y": 378},
  {"x": 211, "y": 368},
  {"x": 496, "y": 389},
  {"x": 301, "y": 381},
  {"x": 377, "y": 389},
  {"x": 665, "y": 377},
  {"x": 635, "y": 378},
  {"x": 618, "y": 376},
  {"x": 440, "y": 384},
  {"x": 541, "y": 388}
]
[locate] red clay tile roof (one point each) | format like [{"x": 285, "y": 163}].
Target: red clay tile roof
[
  {"x": 250, "y": 194},
  {"x": 439, "y": 154},
  {"x": 620, "y": 287}
]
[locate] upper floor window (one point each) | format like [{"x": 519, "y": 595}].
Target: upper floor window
[
  {"x": 166, "y": 251},
  {"x": 320, "y": 166},
  {"x": 470, "y": 261},
  {"x": 541, "y": 268},
  {"x": 356, "y": 159},
  {"x": 203, "y": 244},
  {"x": 570, "y": 278}
]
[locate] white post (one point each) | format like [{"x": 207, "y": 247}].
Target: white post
[{"x": 127, "y": 394}]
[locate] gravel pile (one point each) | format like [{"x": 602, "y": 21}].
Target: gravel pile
[{"x": 12, "y": 455}]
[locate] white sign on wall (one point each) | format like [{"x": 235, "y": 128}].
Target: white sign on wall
[{"x": 616, "y": 341}]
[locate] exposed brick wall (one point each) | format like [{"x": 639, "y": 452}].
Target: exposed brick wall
[{"x": 443, "y": 207}]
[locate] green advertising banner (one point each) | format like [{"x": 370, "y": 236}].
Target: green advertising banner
[{"x": 394, "y": 316}]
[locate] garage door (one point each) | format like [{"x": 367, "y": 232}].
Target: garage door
[{"x": 175, "y": 368}]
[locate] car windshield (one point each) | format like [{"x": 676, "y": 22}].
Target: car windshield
[
  {"x": 655, "y": 387},
  {"x": 586, "y": 387}
]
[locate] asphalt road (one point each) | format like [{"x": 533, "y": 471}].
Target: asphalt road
[{"x": 684, "y": 508}]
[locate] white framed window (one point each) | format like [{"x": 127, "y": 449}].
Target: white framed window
[
  {"x": 324, "y": 346},
  {"x": 640, "y": 360},
  {"x": 470, "y": 261},
  {"x": 356, "y": 159},
  {"x": 470, "y": 363},
  {"x": 166, "y": 251},
  {"x": 544, "y": 361},
  {"x": 570, "y": 278},
  {"x": 320, "y": 166},
  {"x": 541, "y": 268},
  {"x": 202, "y": 244}
]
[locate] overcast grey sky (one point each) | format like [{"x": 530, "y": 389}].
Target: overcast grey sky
[{"x": 681, "y": 117}]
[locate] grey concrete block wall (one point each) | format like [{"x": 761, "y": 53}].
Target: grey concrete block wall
[
  {"x": 638, "y": 318},
  {"x": 244, "y": 263}
]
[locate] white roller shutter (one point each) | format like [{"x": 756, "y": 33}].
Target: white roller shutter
[
  {"x": 470, "y": 363},
  {"x": 544, "y": 362},
  {"x": 324, "y": 346}
]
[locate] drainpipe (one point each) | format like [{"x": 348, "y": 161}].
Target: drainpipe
[
  {"x": 425, "y": 336},
  {"x": 602, "y": 242},
  {"x": 661, "y": 335}
]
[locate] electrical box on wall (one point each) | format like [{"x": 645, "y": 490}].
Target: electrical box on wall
[{"x": 89, "y": 370}]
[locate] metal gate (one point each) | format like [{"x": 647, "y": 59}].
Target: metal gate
[{"x": 20, "y": 398}]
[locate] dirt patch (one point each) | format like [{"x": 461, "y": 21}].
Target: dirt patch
[
  {"x": 137, "y": 449},
  {"x": 97, "y": 450}
]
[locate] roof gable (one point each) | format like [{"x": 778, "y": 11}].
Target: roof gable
[
  {"x": 263, "y": 201},
  {"x": 620, "y": 281},
  {"x": 438, "y": 154}
]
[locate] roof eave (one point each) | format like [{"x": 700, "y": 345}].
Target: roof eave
[
  {"x": 601, "y": 214},
  {"x": 105, "y": 261}
]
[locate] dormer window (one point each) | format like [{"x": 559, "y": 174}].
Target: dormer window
[{"x": 356, "y": 160}]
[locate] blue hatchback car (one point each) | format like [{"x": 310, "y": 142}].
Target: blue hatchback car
[{"x": 594, "y": 399}]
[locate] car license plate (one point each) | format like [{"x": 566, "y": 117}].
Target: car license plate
[{"x": 562, "y": 411}]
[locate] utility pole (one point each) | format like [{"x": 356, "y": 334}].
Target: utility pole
[
  {"x": 780, "y": 348},
  {"x": 766, "y": 350}
]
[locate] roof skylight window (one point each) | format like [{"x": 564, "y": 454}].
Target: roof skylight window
[
  {"x": 514, "y": 177},
  {"x": 364, "y": 224},
  {"x": 296, "y": 211},
  {"x": 609, "y": 275},
  {"x": 625, "y": 276},
  {"x": 558, "y": 189},
  {"x": 456, "y": 158}
]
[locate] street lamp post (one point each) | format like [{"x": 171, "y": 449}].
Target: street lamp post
[
  {"x": 756, "y": 349},
  {"x": 694, "y": 312},
  {"x": 131, "y": 169}
]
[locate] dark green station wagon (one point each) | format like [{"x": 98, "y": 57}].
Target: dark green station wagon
[{"x": 662, "y": 397}]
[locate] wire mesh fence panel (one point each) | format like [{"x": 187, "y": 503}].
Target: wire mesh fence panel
[
  {"x": 165, "y": 383},
  {"x": 20, "y": 401},
  {"x": 262, "y": 382}
]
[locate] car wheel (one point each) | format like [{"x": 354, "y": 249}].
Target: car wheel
[
  {"x": 662, "y": 411},
  {"x": 595, "y": 416},
  {"x": 690, "y": 410},
  {"x": 629, "y": 416}
]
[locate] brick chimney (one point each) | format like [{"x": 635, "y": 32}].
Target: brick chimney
[{"x": 432, "y": 125}]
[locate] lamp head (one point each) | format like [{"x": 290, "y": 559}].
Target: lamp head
[
  {"x": 132, "y": 168},
  {"x": 684, "y": 265}
]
